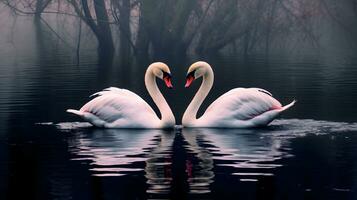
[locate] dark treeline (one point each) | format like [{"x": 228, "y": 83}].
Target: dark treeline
[{"x": 161, "y": 28}]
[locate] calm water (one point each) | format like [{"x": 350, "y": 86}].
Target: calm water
[{"x": 45, "y": 153}]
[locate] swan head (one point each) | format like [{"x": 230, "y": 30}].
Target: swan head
[
  {"x": 161, "y": 71},
  {"x": 197, "y": 70}
]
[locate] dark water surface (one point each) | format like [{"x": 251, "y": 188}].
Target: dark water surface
[{"x": 45, "y": 153}]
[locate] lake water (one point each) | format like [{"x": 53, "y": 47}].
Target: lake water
[{"x": 310, "y": 152}]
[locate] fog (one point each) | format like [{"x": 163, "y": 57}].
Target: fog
[
  {"x": 55, "y": 53},
  {"x": 159, "y": 29}
]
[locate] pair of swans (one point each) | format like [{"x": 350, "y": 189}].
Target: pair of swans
[{"x": 238, "y": 108}]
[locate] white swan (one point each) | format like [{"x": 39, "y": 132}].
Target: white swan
[
  {"x": 238, "y": 108},
  {"x": 121, "y": 108}
]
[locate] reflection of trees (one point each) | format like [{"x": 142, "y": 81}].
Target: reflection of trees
[{"x": 164, "y": 27}]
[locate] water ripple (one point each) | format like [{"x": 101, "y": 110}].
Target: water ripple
[
  {"x": 254, "y": 153},
  {"x": 120, "y": 152},
  {"x": 248, "y": 154},
  {"x": 111, "y": 152}
]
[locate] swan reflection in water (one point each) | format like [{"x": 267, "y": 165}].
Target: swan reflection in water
[
  {"x": 250, "y": 153},
  {"x": 118, "y": 152},
  {"x": 158, "y": 168},
  {"x": 199, "y": 162},
  {"x": 192, "y": 158},
  {"x": 245, "y": 153}
]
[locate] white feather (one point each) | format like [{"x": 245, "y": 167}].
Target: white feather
[
  {"x": 243, "y": 108},
  {"x": 237, "y": 108},
  {"x": 120, "y": 108}
]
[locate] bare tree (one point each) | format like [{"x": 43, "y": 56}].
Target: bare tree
[
  {"x": 100, "y": 26},
  {"x": 121, "y": 12},
  {"x": 40, "y": 7},
  {"x": 167, "y": 27},
  {"x": 163, "y": 25}
]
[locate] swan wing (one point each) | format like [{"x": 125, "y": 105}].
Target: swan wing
[
  {"x": 115, "y": 90},
  {"x": 242, "y": 107},
  {"x": 118, "y": 108}
]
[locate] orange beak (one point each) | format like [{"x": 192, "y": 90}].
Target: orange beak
[
  {"x": 167, "y": 81},
  {"x": 189, "y": 80}
]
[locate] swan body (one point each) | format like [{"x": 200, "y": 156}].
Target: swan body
[
  {"x": 121, "y": 108},
  {"x": 238, "y": 108}
]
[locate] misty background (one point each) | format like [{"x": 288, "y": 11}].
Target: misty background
[
  {"x": 304, "y": 50},
  {"x": 55, "y": 53},
  {"x": 162, "y": 28}
]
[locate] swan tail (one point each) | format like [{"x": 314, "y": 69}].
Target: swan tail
[
  {"x": 89, "y": 117},
  {"x": 267, "y": 117},
  {"x": 287, "y": 106},
  {"x": 76, "y": 112}
]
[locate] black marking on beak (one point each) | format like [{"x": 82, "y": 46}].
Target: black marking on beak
[
  {"x": 166, "y": 74},
  {"x": 167, "y": 79},
  {"x": 190, "y": 77},
  {"x": 191, "y": 74}
]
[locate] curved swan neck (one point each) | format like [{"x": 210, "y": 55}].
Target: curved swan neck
[
  {"x": 191, "y": 112},
  {"x": 167, "y": 117}
]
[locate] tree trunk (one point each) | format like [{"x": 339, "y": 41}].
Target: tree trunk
[
  {"x": 216, "y": 29},
  {"x": 101, "y": 28},
  {"x": 38, "y": 11},
  {"x": 40, "y": 7},
  {"x": 104, "y": 32},
  {"x": 183, "y": 10},
  {"x": 146, "y": 24},
  {"x": 125, "y": 33}
]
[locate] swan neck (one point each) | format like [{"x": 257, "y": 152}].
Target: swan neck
[
  {"x": 190, "y": 114},
  {"x": 167, "y": 117}
]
